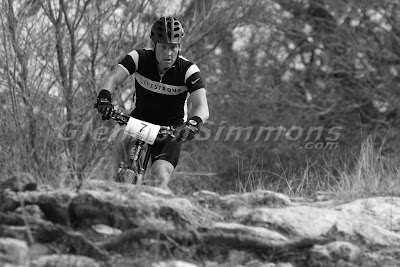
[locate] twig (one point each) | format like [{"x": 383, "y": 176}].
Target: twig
[{"x": 24, "y": 217}]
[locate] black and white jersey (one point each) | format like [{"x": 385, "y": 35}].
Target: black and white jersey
[{"x": 161, "y": 101}]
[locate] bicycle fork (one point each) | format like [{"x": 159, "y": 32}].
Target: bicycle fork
[{"x": 137, "y": 166}]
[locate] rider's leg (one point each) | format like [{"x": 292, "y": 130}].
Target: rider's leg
[
  {"x": 161, "y": 171},
  {"x": 164, "y": 157}
]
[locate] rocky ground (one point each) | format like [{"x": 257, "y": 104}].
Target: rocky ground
[{"x": 109, "y": 224}]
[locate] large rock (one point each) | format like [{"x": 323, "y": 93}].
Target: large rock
[
  {"x": 381, "y": 211},
  {"x": 350, "y": 220},
  {"x": 60, "y": 260},
  {"x": 228, "y": 203},
  {"x": 253, "y": 231},
  {"x": 174, "y": 264},
  {"x": 131, "y": 210},
  {"x": 365, "y": 233},
  {"x": 14, "y": 252},
  {"x": 302, "y": 221},
  {"x": 53, "y": 204},
  {"x": 334, "y": 253},
  {"x": 263, "y": 198}
]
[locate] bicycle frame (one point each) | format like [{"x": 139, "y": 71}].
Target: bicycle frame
[{"x": 136, "y": 169}]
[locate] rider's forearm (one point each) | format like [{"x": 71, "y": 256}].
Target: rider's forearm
[
  {"x": 202, "y": 112},
  {"x": 116, "y": 77},
  {"x": 109, "y": 84},
  {"x": 199, "y": 104}
]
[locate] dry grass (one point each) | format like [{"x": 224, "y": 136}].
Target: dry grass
[{"x": 372, "y": 175}]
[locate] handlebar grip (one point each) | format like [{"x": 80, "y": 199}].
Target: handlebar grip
[{"x": 166, "y": 130}]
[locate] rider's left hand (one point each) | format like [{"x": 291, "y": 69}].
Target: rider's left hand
[{"x": 188, "y": 130}]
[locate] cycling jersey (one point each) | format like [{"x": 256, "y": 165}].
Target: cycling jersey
[{"x": 158, "y": 100}]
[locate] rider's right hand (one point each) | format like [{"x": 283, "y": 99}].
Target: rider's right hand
[{"x": 103, "y": 104}]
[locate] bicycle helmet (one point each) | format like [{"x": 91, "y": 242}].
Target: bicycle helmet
[{"x": 167, "y": 30}]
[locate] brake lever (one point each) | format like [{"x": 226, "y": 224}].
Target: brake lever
[
  {"x": 120, "y": 117},
  {"x": 168, "y": 130}
]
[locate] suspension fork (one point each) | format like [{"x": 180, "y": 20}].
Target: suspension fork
[
  {"x": 135, "y": 162},
  {"x": 136, "y": 150}
]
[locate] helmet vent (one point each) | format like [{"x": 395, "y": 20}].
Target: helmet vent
[{"x": 167, "y": 30}]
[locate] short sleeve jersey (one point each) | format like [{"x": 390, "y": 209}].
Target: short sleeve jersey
[{"x": 161, "y": 101}]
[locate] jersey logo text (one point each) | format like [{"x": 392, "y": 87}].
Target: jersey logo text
[{"x": 158, "y": 87}]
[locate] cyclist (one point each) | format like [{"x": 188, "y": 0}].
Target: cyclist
[{"x": 164, "y": 82}]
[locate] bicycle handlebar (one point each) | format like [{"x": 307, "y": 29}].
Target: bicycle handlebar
[
  {"x": 120, "y": 117},
  {"x": 123, "y": 119}
]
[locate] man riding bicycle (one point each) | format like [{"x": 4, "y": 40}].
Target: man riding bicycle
[{"x": 164, "y": 82}]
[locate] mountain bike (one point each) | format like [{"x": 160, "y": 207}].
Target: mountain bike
[{"x": 143, "y": 135}]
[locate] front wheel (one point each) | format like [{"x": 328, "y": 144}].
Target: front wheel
[
  {"x": 126, "y": 175},
  {"x": 130, "y": 176}
]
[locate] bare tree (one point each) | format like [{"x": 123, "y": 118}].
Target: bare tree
[{"x": 19, "y": 37}]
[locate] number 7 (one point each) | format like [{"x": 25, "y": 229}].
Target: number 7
[{"x": 144, "y": 126}]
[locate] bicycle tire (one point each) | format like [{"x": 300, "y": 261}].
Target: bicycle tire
[{"x": 130, "y": 176}]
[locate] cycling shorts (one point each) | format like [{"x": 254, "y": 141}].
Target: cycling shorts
[{"x": 166, "y": 148}]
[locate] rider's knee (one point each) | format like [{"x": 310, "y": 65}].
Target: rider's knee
[{"x": 161, "y": 172}]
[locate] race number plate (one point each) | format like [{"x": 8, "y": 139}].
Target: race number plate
[{"x": 142, "y": 130}]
